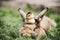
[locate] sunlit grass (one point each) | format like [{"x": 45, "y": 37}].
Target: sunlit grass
[{"x": 11, "y": 21}]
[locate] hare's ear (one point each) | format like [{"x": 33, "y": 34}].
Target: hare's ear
[
  {"x": 22, "y": 13},
  {"x": 42, "y": 13}
]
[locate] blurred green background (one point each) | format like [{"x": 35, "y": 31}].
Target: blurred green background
[{"x": 11, "y": 21}]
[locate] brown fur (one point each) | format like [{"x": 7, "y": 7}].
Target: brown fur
[{"x": 36, "y": 26}]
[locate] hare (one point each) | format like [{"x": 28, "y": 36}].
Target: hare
[{"x": 36, "y": 26}]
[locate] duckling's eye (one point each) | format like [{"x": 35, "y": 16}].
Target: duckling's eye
[{"x": 28, "y": 15}]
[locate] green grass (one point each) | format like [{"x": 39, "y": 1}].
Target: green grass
[{"x": 11, "y": 21}]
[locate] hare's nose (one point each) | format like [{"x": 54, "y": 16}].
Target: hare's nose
[{"x": 21, "y": 34}]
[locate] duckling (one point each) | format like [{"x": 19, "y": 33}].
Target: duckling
[
  {"x": 30, "y": 18},
  {"x": 28, "y": 26}
]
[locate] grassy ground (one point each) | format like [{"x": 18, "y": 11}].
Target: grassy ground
[{"x": 11, "y": 21}]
